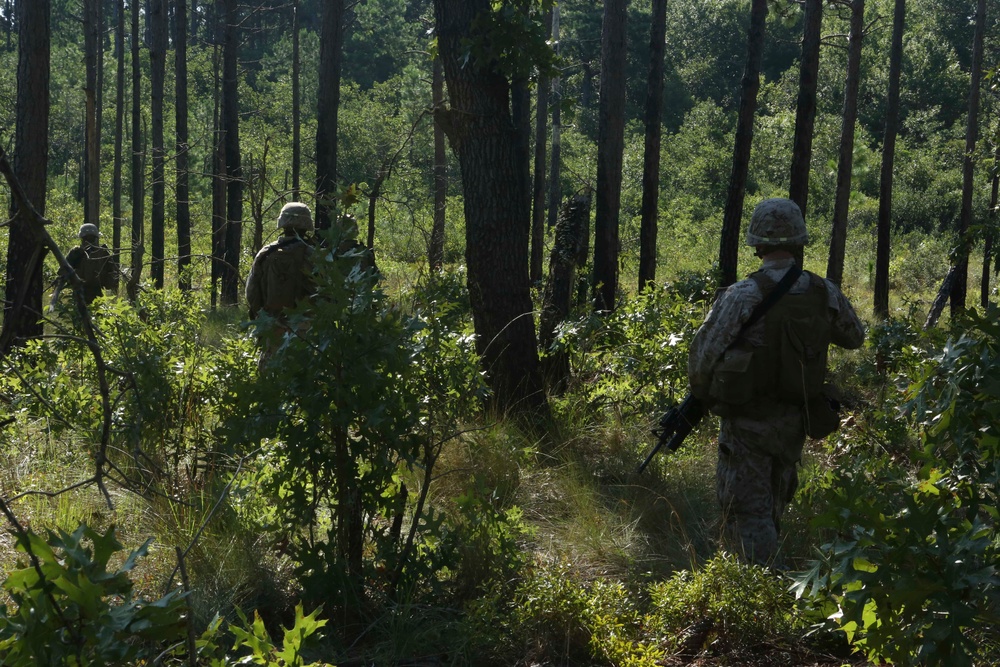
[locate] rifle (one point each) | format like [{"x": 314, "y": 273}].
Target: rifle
[{"x": 676, "y": 425}]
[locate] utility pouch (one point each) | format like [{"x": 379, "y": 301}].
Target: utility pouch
[{"x": 732, "y": 380}]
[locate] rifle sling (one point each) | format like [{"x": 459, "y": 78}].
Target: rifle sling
[{"x": 771, "y": 298}]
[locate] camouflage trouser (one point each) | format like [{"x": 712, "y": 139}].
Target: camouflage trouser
[{"x": 753, "y": 489}]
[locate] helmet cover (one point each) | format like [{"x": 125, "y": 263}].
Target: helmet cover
[
  {"x": 89, "y": 231},
  {"x": 295, "y": 215},
  {"x": 775, "y": 222}
]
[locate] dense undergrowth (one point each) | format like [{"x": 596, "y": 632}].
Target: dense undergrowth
[{"x": 352, "y": 492}]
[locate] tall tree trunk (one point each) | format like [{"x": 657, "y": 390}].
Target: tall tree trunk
[
  {"x": 881, "y": 303},
  {"x": 838, "y": 237},
  {"x": 234, "y": 170},
  {"x": 538, "y": 178},
  {"x": 181, "y": 136},
  {"x": 651, "y": 154},
  {"x": 92, "y": 163},
  {"x": 805, "y": 111},
  {"x": 117, "y": 168},
  {"x": 435, "y": 251},
  {"x": 157, "y": 77},
  {"x": 555, "y": 163},
  {"x": 218, "y": 172},
  {"x": 296, "y": 106},
  {"x": 481, "y": 132},
  {"x": 23, "y": 291},
  {"x": 610, "y": 148},
  {"x": 520, "y": 106},
  {"x": 193, "y": 32},
  {"x": 960, "y": 285},
  {"x": 138, "y": 184},
  {"x": 330, "y": 58},
  {"x": 729, "y": 243},
  {"x": 984, "y": 282}
]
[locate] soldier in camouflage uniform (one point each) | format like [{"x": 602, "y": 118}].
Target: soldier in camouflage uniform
[
  {"x": 281, "y": 275},
  {"x": 92, "y": 263},
  {"x": 760, "y": 443}
]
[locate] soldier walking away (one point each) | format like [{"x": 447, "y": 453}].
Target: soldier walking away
[
  {"x": 759, "y": 362},
  {"x": 281, "y": 275},
  {"x": 92, "y": 262}
]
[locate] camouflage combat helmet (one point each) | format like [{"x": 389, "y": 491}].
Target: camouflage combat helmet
[
  {"x": 295, "y": 215},
  {"x": 775, "y": 222},
  {"x": 89, "y": 231}
]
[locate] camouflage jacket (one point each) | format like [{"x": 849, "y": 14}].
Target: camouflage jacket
[
  {"x": 774, "y": 427},
  {"x": 281, "y": 275}
]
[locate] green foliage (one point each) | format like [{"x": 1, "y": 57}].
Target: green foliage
[
  {"x": 742, "y": 603},
  {"x": 910, "y": 575},
  {"x": 69, "y": 607}
]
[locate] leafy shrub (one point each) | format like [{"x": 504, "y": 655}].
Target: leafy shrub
[{"x": 909, "y": 576}]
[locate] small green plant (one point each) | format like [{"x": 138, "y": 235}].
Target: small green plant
[{"x": 69, "y": 608}]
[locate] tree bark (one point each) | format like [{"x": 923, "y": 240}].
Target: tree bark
[
  {"x": 481, "y": 132},
  {"x": 117, "y": 167},
  {"x": 330, "y": 58},
  {"x": 610, "y": 148},
  {"x": 881, "y": 302},
  {"x": 538, "y": 178},
  {"x": 181, "y": 142},
  {"x": 845, "y": 165},
  {"x": 651, "y": 154},
  {"x": 729, "y": 243},
  {"x": 92, "y": 164},
  {"x": 23, "y": 290},
  {"x": 234, "y": 171},
  {"x": 959, "y": 287},
  {"x": 984, "y": 282},
  {"x": 805, "y": 112},
  {"x": 569, "y": 244},
  {"x": 296, "y": 106},
  {"x": 218, "y": 173},
  {"x": 138, "y": 186},
  {"x": 157, "y": 78},
  {"x": 555, "y": 189},
  {"x": 435, "y": 251}
]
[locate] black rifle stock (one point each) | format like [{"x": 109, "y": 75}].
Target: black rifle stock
[{"x": 676, "y": 425}]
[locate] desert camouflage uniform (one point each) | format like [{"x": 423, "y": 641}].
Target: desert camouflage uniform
[{"x": 759, "y": 450}]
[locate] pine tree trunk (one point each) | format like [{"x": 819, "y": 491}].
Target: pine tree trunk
[
  {"x": 435, "y": 251},
  {"x": 181, "y": 135},
  {"x": 805, "y": 110},
  {"x": 23, "y": 290},
  {"x": 845, "y": 166},
  {"x": 729, "y": 243},
  {"x": 218, "y": 174},
  {"x": 881, "y": 303},
  {"x": 610, "y": 149},
  {"x": 234, "y": 171},
  {"x": 92, "y": 163},
  {"x": 538, "y": 178},
  {"x": 330, "y": 58},
  {"x": 555, "y": 190},
  {"x": 157, "y": 77},
  {"x": 117, "y": 168},
  {"x": 296, "y": 107},
  {"x": 481, "y": 132},
  {"x": 960, "y": 287},
  {"x": 651, "y": 154},
  {"x": 984, "y": 282}
]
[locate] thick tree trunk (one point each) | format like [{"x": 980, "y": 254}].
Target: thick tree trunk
[
  {"x": 538, "y": 177},
  {"x": 845, "y": 166},
  {"x": 138, "y": 185},
  {"x": 651, "y": 154},
  {"x": 805, "y": 110},
  {"x": 435, "y": 250},
  {"x": 157, "y": 78},
  {"x": 481, "y": 132},
  {"x": 181, "y": 135},
  {"x": 570, "y": 243},
  {"x": 117, "y": 167},
  {"x": 330, "y": 57},
  {"x": 23, "y": 293},
  {"x": 610, "y": 148},
  {"x": 729, "y": 243},
  {"x": 234, "y": 170},
  {"x": 881, "y": 302},
  {"x": 960, "y": 287}
]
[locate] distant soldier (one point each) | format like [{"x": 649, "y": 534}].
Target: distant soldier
[
  {"x": 92, "y": 262},
  {"x": 282, "y": 272},
  {"x": 766, "y": 379}
]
